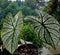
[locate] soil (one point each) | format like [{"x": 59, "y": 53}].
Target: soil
[{"x": 28, "y": 49}]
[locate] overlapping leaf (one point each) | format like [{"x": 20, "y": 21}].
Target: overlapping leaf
[
  {"x": 46, "y": 27},
  {"x": 11, "y": 28}
]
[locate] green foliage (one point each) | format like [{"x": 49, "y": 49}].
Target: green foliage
[
  {"x": 31, "y": 3},
  {"x": 27, "y": 33},
  {"x": 10, "y": 31},
  {"x": 28, "y": 11},
  {"x": 0, "y": 38},
  {"x": 19, "y": 2},
  {"x": 6, "y": 7},
  {"x": 38, "y": 42},
  {"x": 0, "y": 24},
  {"x": 13, "y": 8},
  {"x": 46, "y": 27},
  {"x": 47, "y": 10},
  {"x": 52, "y": 7},
  {"x": 3, "y": 3},
  {"x": 35, "y": 4}
]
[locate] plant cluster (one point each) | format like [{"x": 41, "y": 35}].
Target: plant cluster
[{"x": 41, "y": 29}]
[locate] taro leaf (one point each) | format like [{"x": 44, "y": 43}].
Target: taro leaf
[
  {"x": 46, "y": 26},
  {"x": 11, "y": 28}
]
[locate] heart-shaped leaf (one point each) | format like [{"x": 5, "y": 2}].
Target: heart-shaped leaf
[
  {"x": 46, "y": 26},
  {"x": 11, "y": 28}
]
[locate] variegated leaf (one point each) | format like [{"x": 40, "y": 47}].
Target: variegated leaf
[
  {"x": 46, "y": 26},
  {"x": 11, "y": 28}
]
